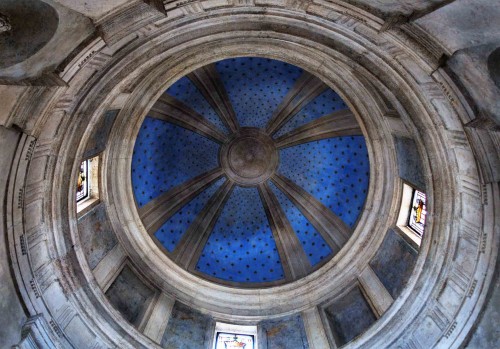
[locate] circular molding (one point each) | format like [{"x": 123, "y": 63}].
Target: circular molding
[
  {"x": 256, "y": 303},
  {"x": 249, "y": 157}
]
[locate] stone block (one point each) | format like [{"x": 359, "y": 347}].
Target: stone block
[
  {"x": 287, "y": 332},
  {"x": 129, "y": 295},
  {"x": 349, "y": 316},
  {"x": 463, "y": 23},
  {"x": 99, "y": 138},
  {"x": 187, "y": 329},
  {"x": 96, "y": 235},
  {"x": 393, "y": 263},
  {"x": 409, "y": 161}
]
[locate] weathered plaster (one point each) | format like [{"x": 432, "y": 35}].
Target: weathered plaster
[
  {"x": 349, "y": 316},
  {"x": 187, "y": 329},
  {"x": 409, "y": 162},
  {"x": 129, "y": 295},
  {"x": 394, "y": 262},
  {"x": 283, "y": 333},
  {"x": 97, "y": 237}
]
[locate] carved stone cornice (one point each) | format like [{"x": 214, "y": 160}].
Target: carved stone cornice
[{"x": 333, "y": 41}]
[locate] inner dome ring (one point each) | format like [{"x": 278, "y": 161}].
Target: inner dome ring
[{"x": 252, "y": 302}]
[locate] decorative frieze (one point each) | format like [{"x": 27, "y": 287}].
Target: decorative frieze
[
  {"x": 56, "y": 328},
  {"x": 129, "y": 19},
  {"x": 31, "y": 149},
  {"x": 243, "y": 2},
  {"x": 65, "y": 315},
  {"x": 352, "y": 15},
  {"x": 82, "y": 59},
  {"x": 460, "y": 279},
  {"x": 471, "y": 187},
  {"x": 472, "y": 288},
  {"x": 192, "y": 7},
  {"x": 35, "y": 235},
  {"x": 470, "y": 232},
  {"x": 298, "y": 5},
  {"x": 439, "y": 318},
  {"x": 22, "y": 243},
  {"x": 20, "y": 198},
  {"x": 484, "y": 242},
  {"x": 412, "y": 343},
  {"x": 45, "y": 276},
  {"x": 450, "y": 329},
  {"x": 35, "y": 289},
  {"x": 459, "y": 138},
  {"x": 98, "y": 60},
  {"x": 348, "y": 21}
]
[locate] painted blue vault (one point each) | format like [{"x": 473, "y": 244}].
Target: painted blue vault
[{"x": 241, "y": 247}]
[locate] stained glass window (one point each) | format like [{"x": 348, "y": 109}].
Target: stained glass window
[
  {"x": 234, "y": 341},
  {"x": 418, "y": 212},
  {"x": 82, "y": 189}
]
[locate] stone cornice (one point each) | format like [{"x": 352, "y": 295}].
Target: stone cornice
[{"x": 341, "y": 46}]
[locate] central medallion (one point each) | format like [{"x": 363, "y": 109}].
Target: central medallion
[{"x": 249, "y": 157}]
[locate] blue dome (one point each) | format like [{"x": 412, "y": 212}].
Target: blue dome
[{"x": 250, "y": 172}]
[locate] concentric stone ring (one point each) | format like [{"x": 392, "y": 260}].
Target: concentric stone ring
[{"x": 250, "y": 157}]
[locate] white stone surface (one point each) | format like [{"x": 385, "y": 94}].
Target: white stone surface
[
  {"x": 379, "y": 298},
  {"x": 157, "y": 321},
  {"x": 109, "y": 267},
  {"x": 95, "y": 9},
  {"x": 315, "y": 329},
  {"x": 464, "y": 23},
  {"x": 340, "y": 44}
]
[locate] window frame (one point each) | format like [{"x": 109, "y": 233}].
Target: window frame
[
  {"x": 242, "y": 330},
  {"x": 402, "y": 223},
  {"x": 85, "y": 204},
  {"x": 86, "y": 194},
  {"x": 218, "y": 333},
  {"x": 421, "y": 234}
]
